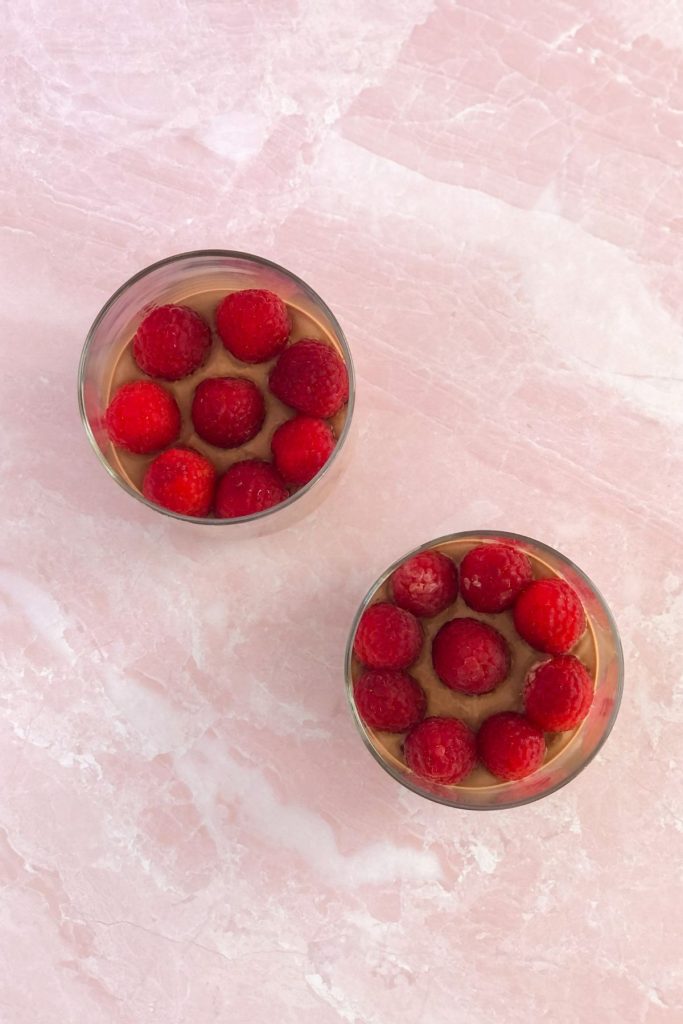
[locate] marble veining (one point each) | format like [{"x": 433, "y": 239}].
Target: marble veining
[{"x": 488, "y": 195}]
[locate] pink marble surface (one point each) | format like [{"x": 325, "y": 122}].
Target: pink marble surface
[{"x": 489, "y": 195}]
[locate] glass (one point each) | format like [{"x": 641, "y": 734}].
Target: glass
[
  {"x": 588, "y": 737},
  {"x": 176, "y": 280}
]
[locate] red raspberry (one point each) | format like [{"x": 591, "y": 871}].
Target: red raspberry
[
  {"x": 425, "y": 584},
  {"x": 492, "y": 575},
  {"x": 387, "y": 637},
  {"x": 549, "y": 616},
  {"x": 510, "y": 746},
  {"x": 227, "y": 411},
  {"x": 171, "y": 342},
  {"x": 441, "y": 750},
  {"x": 470, "y": 656},
  {"x": 248, "y": 487},
  {"x": 143, "y": 417},
  {"x": 390, "y": 701},
  {"x": 311, "y": 377},
  {"x": 558, "y": 693},
  {"x": 181, "y": 480},
  {"x": 253, "y": 324},
  {"x": 301, "y": 447}
]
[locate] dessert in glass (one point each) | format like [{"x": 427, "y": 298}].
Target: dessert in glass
[
  {"x": 217, "y": 388},
  {"x": 484, "y": 670}
]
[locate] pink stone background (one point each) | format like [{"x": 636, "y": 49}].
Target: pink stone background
[{"x": 489, "y": 194}]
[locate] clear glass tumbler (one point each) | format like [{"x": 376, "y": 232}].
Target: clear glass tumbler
[
  {"x": 569, "y": 753},
  {"x": 176, "y": 280}
]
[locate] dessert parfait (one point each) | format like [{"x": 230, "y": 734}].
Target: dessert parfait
[
  {"x": 484, "y": 670},
  {"x": 220, "y": 391}
]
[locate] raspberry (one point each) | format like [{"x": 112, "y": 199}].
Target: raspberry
[
  {"x": 470, "y": 656},
  {"x": 441, "y": 750},
  {"x": 425, "y": 584},
  {"x": 253, "y": 324},
  {"x": 143, "y": 417},
  {"x": 171, "y": 342},
  {"x": 181, "y": 480},
  {"x": 248, "y": 487},
  {"x": 387, "y": 637},
  {"x": 390, "y": 701},
  {"x": 510, "y": 746},
  {"x": 549, "y": 616},
  {"x": 301, "y": 447},
  {"x": 227, "y": 411},
  {"x": 558, "y": 693},
  {"x": 492, "y": 576},
  {"x": 311, "y": 377}
]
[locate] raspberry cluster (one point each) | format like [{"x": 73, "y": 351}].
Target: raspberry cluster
[
  {"x": 172, "y": 343},
  {"x": 470, "y": 656}
]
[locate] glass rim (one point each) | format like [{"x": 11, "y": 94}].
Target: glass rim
[
  {"x": 251, "y": 258},
  {"x": 405, "y": 780}
]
